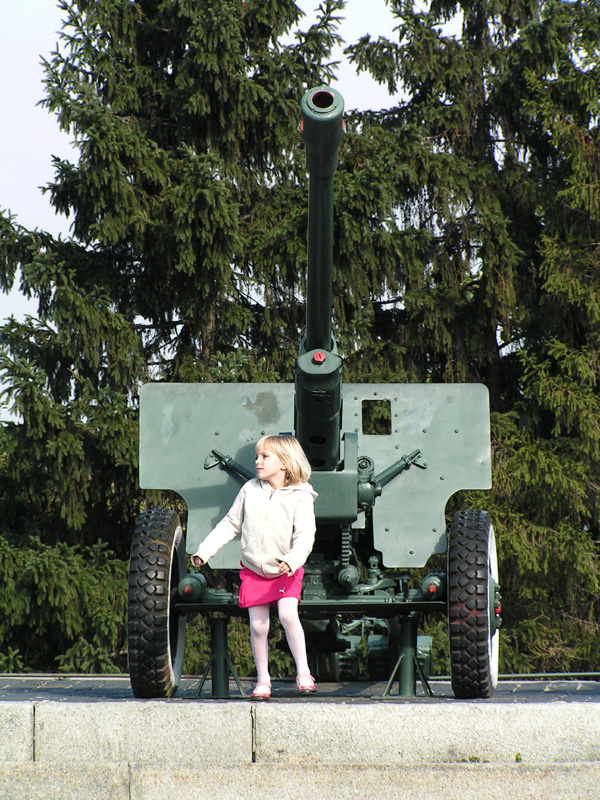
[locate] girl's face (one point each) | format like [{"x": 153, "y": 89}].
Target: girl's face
[{"x": 269, "y": 467}]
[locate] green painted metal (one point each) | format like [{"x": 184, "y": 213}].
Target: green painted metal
[
  {"x": 219, "y": 652},
  {"x": 382, "y": 604},
  {"x": 322, "y": 111},
  {"x": 319, "y": 407},
  {"x": 219, "y": 664},
  {"x": 408, "y": 652},
  {"x": 386, "y": 459},
  {"x": 318, "y": 401},
  {"x": 181, "y": 424},
  {"x": 414, "y": 659}
]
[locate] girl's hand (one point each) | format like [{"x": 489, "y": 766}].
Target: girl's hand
[
  {"x": 197, "y": 561},
  {"x": 284, "y": 569}
]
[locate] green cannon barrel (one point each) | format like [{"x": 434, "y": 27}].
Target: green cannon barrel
[
  {"x": 318, "y": 406},
  {"x": 322, "y": 125}
]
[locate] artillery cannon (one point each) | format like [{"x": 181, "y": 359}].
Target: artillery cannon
[{"x": 380, "y": 512}]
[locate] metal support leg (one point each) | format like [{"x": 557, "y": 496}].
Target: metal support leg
[
  {"x": 408, "y": 649},
  {"x": 219, "y": 660},
  {"x": 218, "y": 646},
  {"x": 407, "y": 662}
]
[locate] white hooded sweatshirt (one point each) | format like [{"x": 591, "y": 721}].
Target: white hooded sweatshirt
[{"x": 276, "y": 525}]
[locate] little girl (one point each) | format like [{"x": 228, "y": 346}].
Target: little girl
[{"x": 275, "y": 515}]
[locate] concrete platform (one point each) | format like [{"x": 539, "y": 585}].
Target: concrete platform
[
  {"x": 267, "y": 782},
  {"x": 88, "y": 738}
]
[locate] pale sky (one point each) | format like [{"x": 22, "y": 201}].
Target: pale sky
[{"x": 29, "y": 135}]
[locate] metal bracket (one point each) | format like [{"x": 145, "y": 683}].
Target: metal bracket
[
  {"x": 399, "y": 466},
  {"x": 215, "y": 458}
]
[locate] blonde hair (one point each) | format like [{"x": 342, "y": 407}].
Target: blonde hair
[{"x": 290, "y": 451}]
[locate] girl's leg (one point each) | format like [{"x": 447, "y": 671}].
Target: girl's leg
[
  {"x": 288, "y": 616},
  {"x": 259, "y": 631}
]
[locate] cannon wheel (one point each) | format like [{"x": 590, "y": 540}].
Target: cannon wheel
[
  {"x": 472, "y": 586},
  {"x": 155, "y": 635}
]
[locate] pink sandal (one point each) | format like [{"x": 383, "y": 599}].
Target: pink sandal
[
  {"x": 262, "y": 691},
  {"x": 305, "y": 683}
]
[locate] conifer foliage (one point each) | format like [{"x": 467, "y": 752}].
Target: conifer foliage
[
  {"x": 492, "y": 175},
  {"x": 467, "y": 248},
  {"x": 181, "y": 264}
]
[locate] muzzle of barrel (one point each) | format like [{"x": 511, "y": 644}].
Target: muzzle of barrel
[{"x": 322, "y": 127}]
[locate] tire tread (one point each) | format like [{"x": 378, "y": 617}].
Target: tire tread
[
  {"x": 468, "y": 611},
  {"x": 149, "y": 584}
]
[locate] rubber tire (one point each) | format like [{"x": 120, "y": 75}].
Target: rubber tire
[
  {"x": 472, "y": 578},
  {"x": 155, "y": 636}
]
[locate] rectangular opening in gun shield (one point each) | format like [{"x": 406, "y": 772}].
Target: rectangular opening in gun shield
[{"x": 376, "y": 417}]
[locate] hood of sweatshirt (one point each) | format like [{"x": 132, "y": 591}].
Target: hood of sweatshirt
[{"x": 293, "y": 487}]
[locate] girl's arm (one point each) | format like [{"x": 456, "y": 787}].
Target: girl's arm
[
  {"x": 303, "y": 535},
  {"x": 223, "y": 532}
]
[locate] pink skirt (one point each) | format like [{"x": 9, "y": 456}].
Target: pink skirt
[{"x": 258, "y": 591}]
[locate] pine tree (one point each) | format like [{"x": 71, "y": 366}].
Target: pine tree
[
  {"x": 188, "y": 179},
  {"x": 466, "y": 249},
  {"x": 185, "y": 118},
  {"x": 492, "y": 208}
]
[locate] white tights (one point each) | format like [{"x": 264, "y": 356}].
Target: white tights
[{"x": 287, "y": 609}]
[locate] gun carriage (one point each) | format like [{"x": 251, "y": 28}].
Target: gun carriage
[{"x": 380, "y": 512}]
